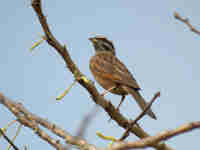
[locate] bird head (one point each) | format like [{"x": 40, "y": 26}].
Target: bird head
[{"x": 102, "y": 44}]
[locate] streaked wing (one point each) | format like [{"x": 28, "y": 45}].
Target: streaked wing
[{"x": 111, "y": 68}]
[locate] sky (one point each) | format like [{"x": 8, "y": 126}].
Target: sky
[{"x": 161, "y": 52}]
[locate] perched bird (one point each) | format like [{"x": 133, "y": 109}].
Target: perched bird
[{"x": 112, "y": 74}]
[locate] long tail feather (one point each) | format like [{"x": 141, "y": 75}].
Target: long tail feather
[{"x": 140, "y": 101}]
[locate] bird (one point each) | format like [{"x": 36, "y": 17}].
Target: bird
[{"x": 112, "y": 74}]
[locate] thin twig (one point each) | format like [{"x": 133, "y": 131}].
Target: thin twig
[
  {"x": 8, "y": 140},
  {"x": 86, "y": 121},
  {"x": 88, "y": 118},
  {"x": 126, "y": 133},
  {"x": 17, "y": 133},
  {"x": 10, "y": 123},
  {"x": 186, "y": 21}
]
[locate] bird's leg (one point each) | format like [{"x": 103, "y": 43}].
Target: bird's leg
[
  {"x": 122, "y": 99},
  {"x": 107, "y": 91}
]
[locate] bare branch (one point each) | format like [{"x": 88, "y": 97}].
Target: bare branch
[
  {"x": 32, "y": 121},
  {"x": 165, "y": 135},
  {"x": 96, "y": 97},
  {"x": 16, "y": 134},
  {"x": 186, "y": 21},
  {"x": 8, "y": 140},
  {"x": 126, "y": 133},
  {"x": 86, "y": 121}
]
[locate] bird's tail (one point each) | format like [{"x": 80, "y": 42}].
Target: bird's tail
[{"x": 140, "y": 101}]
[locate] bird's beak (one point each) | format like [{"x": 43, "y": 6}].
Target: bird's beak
[{"x": 93, "y": 40}]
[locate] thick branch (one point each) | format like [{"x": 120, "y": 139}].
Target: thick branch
[
  {"x": 33, "y": 121},
  {"x": 96, "y": 97},
  {"x": 146, "y": 142}
]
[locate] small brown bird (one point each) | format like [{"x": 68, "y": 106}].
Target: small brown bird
[{"x": 112, "y": 74}]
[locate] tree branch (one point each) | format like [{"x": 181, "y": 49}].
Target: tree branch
[
  {"x": 186, "y": 21},
  {"x": 8, "y": 140},
  {"x": 85, "y": 123},
  {"x": 132, "y": 123},
  {"x": 96, "y": 97},
  {"x": 165, "y": 135},
  {"x": 33, "y": 121}
]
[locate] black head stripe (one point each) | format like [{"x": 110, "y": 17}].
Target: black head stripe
[
  {"x": 108, "y": 43},
  {"x": 103, "y": 44}
]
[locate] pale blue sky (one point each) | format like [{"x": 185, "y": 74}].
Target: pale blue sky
[{"x": 161, "y": 53}]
